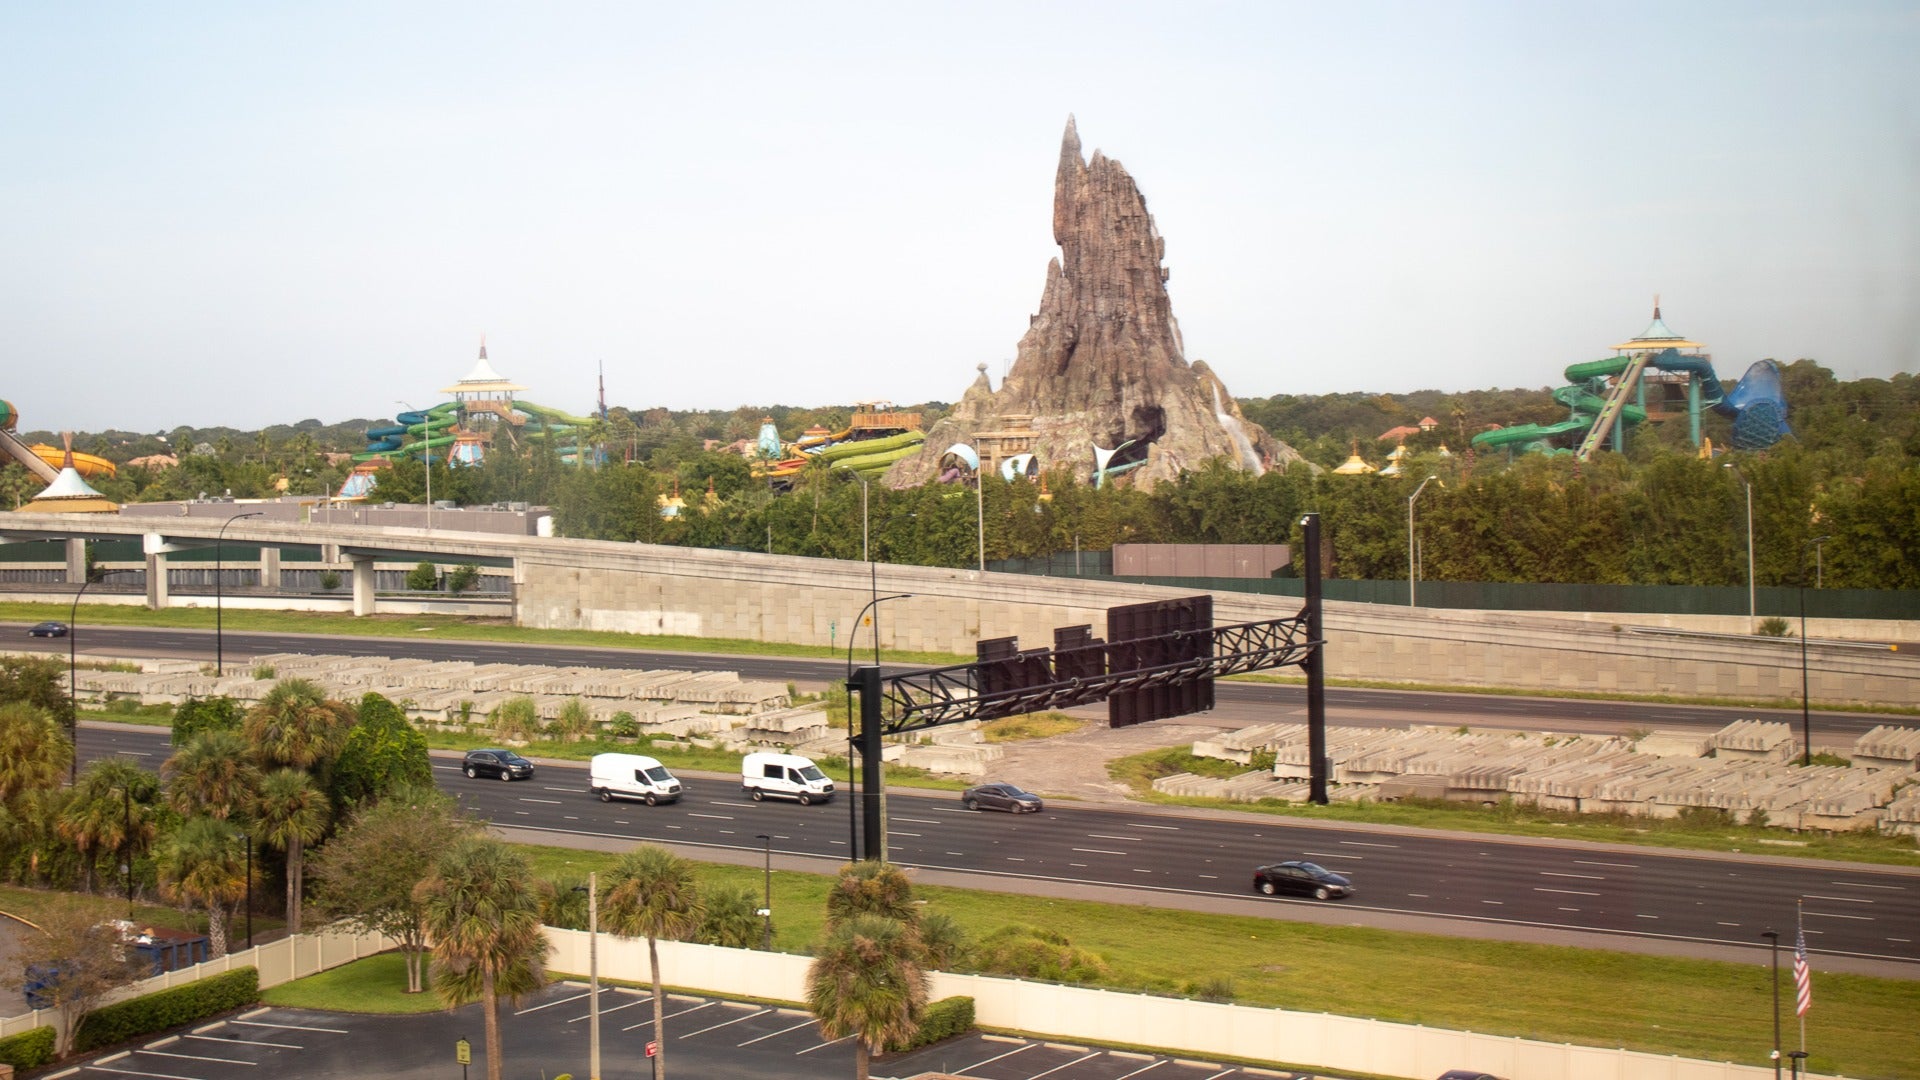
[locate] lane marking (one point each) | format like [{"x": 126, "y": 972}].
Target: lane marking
[
  {"x": 897, "y": 832},
  {"x": 1495, "y": 903},
  {"x": 1646, "y": 916},
  {"x": 716, "y": 817},
  {"x": 915, "y": 820},
  {"x": 546, "y": 802},
  {"x": 727, "y": 1023},
  {"x": 1835, "y": 915},
  {"x": 1334, "y": 855},
  {"x": 101, "y": 1067},
  {"x": 1868, "y": 885},
  {"x": 1362, "y": 843},
  {"x": 1565, "y": 892},
  {"x": 1096, "y": 851},
  {"x": 551, "y": 1004},
  {"x": 1595, "y": 862},
  {"x": 997, "y": 1057},
  {"x": 822, "y": 1046},
  {"x": 1144, "y": 825},
  {"x": 782, "y": 1031},
  {"x": 1057, "y": 1068},
  {"x": 248, "y": 1042},
  {"x": 1586, "y": 877},
  {"x": 1109, "y": 836},
  {"x": 1839, "y": 899},
  {"x": 197, "y": 1057},
  {"x": 289, "y": 1027},
  {"x": 1137, "y": 1072}
]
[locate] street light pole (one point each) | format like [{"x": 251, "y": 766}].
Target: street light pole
[
  {"x": 73, "y": 684},
  {"x": 1773, "y": 946},
  {"x": 248, "y": 840},
  {"x": 853, "y": 801},
  {"x": 980, "y": 514},
  {"x": 864, "y": 556},
  {"x": 1412, "y": 573},
  {"x": 593, "y": 975},
  {"x": 766, "y": 913},
  {"x": 126, "y": 841},
  {"x": 1806, "y": 710},
  {"x": 1752, "y": 608},
  {"x": 219, "y": 591}
]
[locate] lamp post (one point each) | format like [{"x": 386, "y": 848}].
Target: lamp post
[
  {"x": 219, "y": 591},
  {"x": 248, "y": 840},
  {"x": 1412, "y": 573},
  {"x": 1806, "y": 711},
  {"x": 593, "y": 976},
  {"x": 1773, "y": 946},
  {"x": 766, "y": 913},
  {"x": 864, "y": 556},
  {"x": 73, "y": 685},
  {"x": 126, "y": 842},
  {"x": 980, "y": 513},
  {"x": 853, "y": 802},
  {"x": 426, "y": 458},
  {"x": 1752, "y": 608}
]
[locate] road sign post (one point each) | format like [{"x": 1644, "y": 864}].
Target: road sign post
[
  {"x": 652, "y": 1048},
  {"x": 463, "y": 1053}
]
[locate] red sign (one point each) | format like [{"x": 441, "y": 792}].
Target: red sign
[{"x": 653, "y": 1048}]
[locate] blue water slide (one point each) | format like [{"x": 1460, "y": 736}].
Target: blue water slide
[
  {"x": 1711, "y": 391},
  {"x": 1758, "y": 406}
]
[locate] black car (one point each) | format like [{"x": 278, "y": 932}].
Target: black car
[
  {"x": 1001, "y": 797},
  {"x": 504, "y": 764},
  {"x": 1466, "y": 1074},
  {"x": 48, "y": 629},
  {"x": 1300, "y": 879}
]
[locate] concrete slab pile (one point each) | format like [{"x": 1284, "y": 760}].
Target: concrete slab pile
[
  {"x": 1888, "y": 747},
  {"x": 1755, "y": 740},
  {"x": 949, "y": 758},
  {"x": 1242, "y": 744},
  {"x": 1684, "y": 744},
  {"x": 783, "y": 727},
  {"x": 1252, "y": 787},
  {"x": 1902, "y": 815}
]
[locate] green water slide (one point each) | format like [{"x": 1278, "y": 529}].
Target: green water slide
[{"x": 1586, "y": 399}]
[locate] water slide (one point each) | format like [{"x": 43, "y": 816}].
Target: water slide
[
  {"x": 426, "y": 427},
  {"x": 45, "y": 461}
]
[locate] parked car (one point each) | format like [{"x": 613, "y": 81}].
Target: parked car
[
  {"x": 504, "y": 764},
  {"x": 785, "y": 776},
  {"x": 1001, "y": 797},
  {"x": 1300, "y": 879},
  {"x": 48, "y": 629}
]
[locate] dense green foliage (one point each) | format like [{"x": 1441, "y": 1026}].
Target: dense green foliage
[
  {"x": 196, "y": 715},
  {"x": 36, "y": 680},
  {"x": 29, "y": 1049},
  {"x": 169, "y": 1008},
  {"x": 383, "y": 751},
  {"x": 942, "y": 1019}
]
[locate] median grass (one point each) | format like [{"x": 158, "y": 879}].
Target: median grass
[
  {"x": 1696, "y": 829},
  {"x": 1860, "y": 1026}
]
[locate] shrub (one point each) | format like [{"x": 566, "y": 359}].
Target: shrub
[
  {"x": 623, "y": 725},
  {"x": 517, "y": 718},
  {"x": 168, "y": 1009},
  {"x": 29, "y": 1049},
  {"x": 1029, "y": 952},
  {"x": 329, "y": 580},
  {"x": 424, "y": 577},
  {"x": 574, "y": 721},
  {"x": 263, "y": 672},
  {"x": 196, "y": 715},
  {"x": 464, "y": 577},
  {"x": 1773, "y": 626},
  {"x": 1211, "y": 988},
  {"x": 943, "y": 1019}
]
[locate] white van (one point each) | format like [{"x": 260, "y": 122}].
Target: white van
[
  {"x": 632, "y": 776},
  {"x": 786, "y": 776}
]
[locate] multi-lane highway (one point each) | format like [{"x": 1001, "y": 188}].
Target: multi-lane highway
[
  {"x": 1856, "y": 911},
  {"x": 1238, "y": 703}
]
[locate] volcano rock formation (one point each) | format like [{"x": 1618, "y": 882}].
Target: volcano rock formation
[{"x": 1102, "y": 363}]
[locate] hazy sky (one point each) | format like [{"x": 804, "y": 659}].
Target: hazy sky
[{"x": 250, "y": 213}]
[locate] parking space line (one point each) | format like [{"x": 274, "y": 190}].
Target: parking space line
[
  {"x": 727, "y": 1023},
  {"x": 1142, "y": 1069},
  {"x": 550, "y": 1004},
  {"x": 248, "y": 1042},
  {"x": 669, "y": 1016},
  {"x": 1057, "y": 1068},
  {"x": 782, "y": 1031},
  {"x": 822, "y": 1046},
  {"x": 291, "y": 1027},
  {"x": 97, "y": 1067},
  {"x": 997, "y": 1057},
  {"x": 604, "y": 1012},
  {"x": 197, "y": 1057}
]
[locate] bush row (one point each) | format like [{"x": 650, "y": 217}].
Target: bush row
[
  {"x": 29, "y": 1049},
  {"x": 168, "y": 1008},
  {"x": 943, "y": 1020}
]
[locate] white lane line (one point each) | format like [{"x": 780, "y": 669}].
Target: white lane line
[
  {"x": 99, "y": 1067},
  {"x": 1573, "y": 909},
  {"x": 551, "y": 1004},
  {"x": 1143, "y": 1068},
  {"x": 1144, "y": 825},
  {"x": 1211, "y": 877},
  {"x": 1081, "y": 865},
  {"x": 727, "y": 1023},
  {"x": 997, "y": 1057},
  {"x": 1137, "y": 870},
  {"x": 289, "y": 1027},
  {"x": 897, "y": 832},
  {"x": 716, "y": 817},
  {"x": 915, "y": 820},
  {"x": 1646, "y": 916},
  {"x": 1839, "y": 899},
  {"x": 1495, "y": 903},
  {"x": 782, "y": 1031},
  {"x": 1902, "y": 940},
  {"x": 1868, "y": 885},
  {"x": 1334, "y": 855},
  {"x": 1012, "y": 859},
  {"x": 1726, "y": 924},
  {"x": 567, "y": 790},
  {"x": 1097, "y": 851},
  {"x": 1057, "y": 1068},
  {"x": 547, "y": 802},
  {"x": 1833, "y": 915},
  {"x": 822, "y": 1046},
  {"x": 1584, "y": 877},
  {"x": 1419, "y": 896},
  {"x": 669, "y": 1016},
  {"x": 1566, "y": 892},
  {"x": 248, "y": 1042},
  {"x": 1109, "y": 836},
  {"x": 1362, "y": 843},
  {"x": 1594, "y": 862},
  {"x": 197, "y": 1057}
]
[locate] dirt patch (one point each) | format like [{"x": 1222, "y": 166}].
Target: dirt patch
[{"x": 1075, "y": 765}]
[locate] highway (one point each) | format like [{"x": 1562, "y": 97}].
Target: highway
[
  {"x": 1857, "y": 911},
  {"x": 1237, "y": 703}
]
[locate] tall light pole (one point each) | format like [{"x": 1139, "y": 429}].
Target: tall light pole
[
  {"x": 1752, "y": 608},
  {"x": 1412, "y": 572},
  {"x": 864, "y": 556},
  {"x": 426, "y": 459},
  {"x": 219, "y": 592},
  {"x": 1773, "y": 946},
  {"x": 766, "y": 913},
  {"x": 73, "y": 684},
  {"x": 593, "y": 976},
  {"x": 980, "y": 512},
  {"x": 1806, "y": 711},
  {"x": 853, "y": 802},
  {"x": 248, "y": 840}
]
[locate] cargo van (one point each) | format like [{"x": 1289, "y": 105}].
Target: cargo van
[
  {"x": 784, "y": 776},
  {"x": 632, "y": 776}
]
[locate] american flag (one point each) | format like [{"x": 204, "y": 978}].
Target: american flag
[{"x": 1802, "y": 979}]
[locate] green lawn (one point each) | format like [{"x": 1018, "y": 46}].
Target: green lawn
[
  {"x": 377, "y": 984},
  {"x": 1860, "y": 1026}
]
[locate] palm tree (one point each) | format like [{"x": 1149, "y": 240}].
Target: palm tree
[
  {"x": 204, "y": 863},
  {"x": 866, "y": 981},
  {"x": 482, "y": 915},
  {"x": 652, "y": 893},
  {"x": 290, "y": 813},
  {"x": 297, "y": 725},
  {"x": 732, "y": 917},
  {"x": 34, "y": 752},
  {"x": 212, "y": 775},
  {"x": 100, "y": 816},
  {"x": 872, "y": 887}
]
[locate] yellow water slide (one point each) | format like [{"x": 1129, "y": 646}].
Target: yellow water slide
[{"x": 42, "y": 460}]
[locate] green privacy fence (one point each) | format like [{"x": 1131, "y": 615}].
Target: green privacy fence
[{"x": 1519, "y": 596}]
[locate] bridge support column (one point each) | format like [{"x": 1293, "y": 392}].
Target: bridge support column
[
  {"x": 270, "y": 568},
  {"x": 363, "y": 581},
  {"x": 157, "y": 581},
  {"x": 76, "y": 560}
]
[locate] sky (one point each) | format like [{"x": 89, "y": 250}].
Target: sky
[{"x": 249, "y": 214}]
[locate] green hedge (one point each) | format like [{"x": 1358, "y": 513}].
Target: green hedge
[
  {"x": 29, "y": 1049},
  {"x": 943, "y": 1020},
  {"x": 168, "y": 1008}
]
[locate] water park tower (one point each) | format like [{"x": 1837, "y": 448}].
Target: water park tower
[
  {"x": 484, "y": 390},
  {"x": 1651, "y": 342}
]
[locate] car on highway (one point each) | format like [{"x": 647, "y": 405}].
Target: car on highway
[
  {"x": 501, "y": 764},
  {"x": 1000, "y": 797},
  {"x": 48, "y": 629},
  {"x": 1300, "y": 879},
  {"x": 1467, "y": 1074}
]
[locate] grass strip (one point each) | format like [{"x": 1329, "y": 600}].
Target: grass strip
[{"x": 374, "y": 984}]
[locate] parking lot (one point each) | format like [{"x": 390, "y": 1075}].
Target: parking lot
[{"x": 708, "y": 1038}]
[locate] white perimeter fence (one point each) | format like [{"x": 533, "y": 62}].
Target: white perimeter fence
[{"x": 1315, "y": 1040}]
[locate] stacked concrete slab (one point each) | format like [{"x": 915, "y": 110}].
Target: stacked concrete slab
[
  {"x": 1888, "y": 747},
  {"x": 1755, "y": 740}
]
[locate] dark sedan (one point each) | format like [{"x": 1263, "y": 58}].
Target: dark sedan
[
  {"x": 503, "y": 764},
  {"x": 48, "y": 629},
  {"x": 1001, "y": 797},
  {"x": 1300, "y": 879}
]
